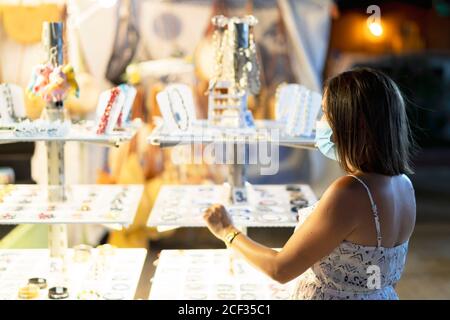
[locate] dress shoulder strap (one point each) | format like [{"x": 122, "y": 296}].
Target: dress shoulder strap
[{"x": 374, "y": 209}]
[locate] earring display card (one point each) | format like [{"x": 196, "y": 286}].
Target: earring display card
[
  {"x": 267, "y": 206},
  {"x": 103, "y": 204},
  {"x": 212, "y": 274},
  {"x": 114, "y": 276}
]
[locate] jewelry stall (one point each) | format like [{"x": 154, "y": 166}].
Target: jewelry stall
[{"x": 235, "y": 139}]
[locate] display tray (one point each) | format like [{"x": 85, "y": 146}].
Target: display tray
[
  {"x": 212, "y": 274},
  {"x": 112, "y": 277},
  {"x": 266, "y": 131},
  {"x": 102, "y": 204},
  {"x": 267, "y": 205},
  {"x": 84, "y": 132}
]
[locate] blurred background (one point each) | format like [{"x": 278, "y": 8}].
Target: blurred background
[{"x": 150, "y": 43}]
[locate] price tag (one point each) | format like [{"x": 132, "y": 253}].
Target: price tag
[{"x": 239, "y": 195}]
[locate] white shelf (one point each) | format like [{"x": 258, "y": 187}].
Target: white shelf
[
  {"x": 267, "y": 206},
  {"x": 201, "y": 133},
  {"x": 84, "y": 204},
  {"x": 78, "y": 132},
  {"x": 115, "y": 276},
  {"x": 212, "y": 274}
]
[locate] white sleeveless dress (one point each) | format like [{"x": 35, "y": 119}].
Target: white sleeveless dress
[{"x": 346, "y": 273}]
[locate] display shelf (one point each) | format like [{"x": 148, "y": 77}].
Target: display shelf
[
  {"x": 84, "y": 132},
  {"x": 212, "y": 274},
  {"x": 267, "y": 205},
  {"x": 99, "y": 204},
  {"x": 265, "y": 131},
  {"x": 115, "y": 276}
]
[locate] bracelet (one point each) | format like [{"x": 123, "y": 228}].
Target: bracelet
[
  {"x": 105, "y": 117},
  {"x": 57, "y": 293},
  {"x": 230, "y": 237}
]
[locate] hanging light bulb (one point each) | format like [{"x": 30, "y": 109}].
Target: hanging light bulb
[
  {"x": 376, "y": 29},
  {"x": 107, "y": 3}
]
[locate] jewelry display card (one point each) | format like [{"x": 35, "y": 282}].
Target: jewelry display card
[
  {"x": 303, "y": 117},
  {"x": 102, "y": 204},
  {"x": 109, "y": 108},
  {"x": 212, "y": 274},
  {"x": 114, "y": 276},
  {"x": 130, "y": 96},
  {"x": 12, "y": 103},
  {"x": 267, "y": 206},
  {"x": 176, "y": 104}
]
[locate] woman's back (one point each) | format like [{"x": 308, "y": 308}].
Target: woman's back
[
  {"x": 370, "y": 261},
  {"x": 396, "y": 208}
]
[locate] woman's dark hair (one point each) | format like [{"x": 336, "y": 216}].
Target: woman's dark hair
[{"x": 366, "y": 112}]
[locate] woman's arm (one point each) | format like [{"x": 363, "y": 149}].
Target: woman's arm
[{"x": 327, "y": 226}]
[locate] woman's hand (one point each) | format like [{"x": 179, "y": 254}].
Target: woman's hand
[{"x": 218, "y": 221}]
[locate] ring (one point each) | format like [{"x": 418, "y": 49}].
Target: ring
[
  {"x": 40, "y": 282},
  {"x": 113, "y": 296},
  {"x": 271, "y": 217},
  {"x": 30, "y": 291},
  {"x": 299, "y": 202},
  {"x": 85, "y": 207},
  {"x": 248, "y": 296},
  {"x": 296, "y": 209},
  {"x": 120, "y": 287},
  {"x": 268, "y": 203},
  {"x": 226, "y": 296},
  {"x": 106, "y": 250},
  {"x": 88, "y": 295},
  {"x": 57, "y": 293},
  {"x": 293, "y": 188},
  {"x": 170, "y": 217},
  {"x": 82, "y": 253}
]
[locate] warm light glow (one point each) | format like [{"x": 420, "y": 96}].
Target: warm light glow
[
  {"x": 376, "y": 29},
  {"x": 107, "y": 3}
]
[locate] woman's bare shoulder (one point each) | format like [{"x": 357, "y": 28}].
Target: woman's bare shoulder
[{"x": 343, "y": 196}]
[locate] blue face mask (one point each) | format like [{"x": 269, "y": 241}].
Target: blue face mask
[{"x": 323, "y": 140}]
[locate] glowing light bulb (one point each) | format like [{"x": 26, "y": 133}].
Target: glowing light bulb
[
  {"x": 376, "y": 29},
  {"x": 107, "y": 3}
]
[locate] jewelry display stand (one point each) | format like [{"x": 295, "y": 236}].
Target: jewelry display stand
[
  {"x": 212, "y": 274},
  {"x": 267, "y": 205},
  {"x": 94, "y": 204},
  {"x": 82, "y": 132},
  {"x": 58, "y": 205},
  {"x": 114, "y": 276}
]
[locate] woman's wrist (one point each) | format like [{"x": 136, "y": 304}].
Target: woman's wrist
[{"x": 228, "y": 230}]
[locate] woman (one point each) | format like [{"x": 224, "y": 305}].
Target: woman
[{"x": 353, "y": 244}]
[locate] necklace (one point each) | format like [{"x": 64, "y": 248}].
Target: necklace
[
  {"x": 9, "y": 102},
  {"x": 176, "y": 114},
  {"x": 105, "y": 117}
]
